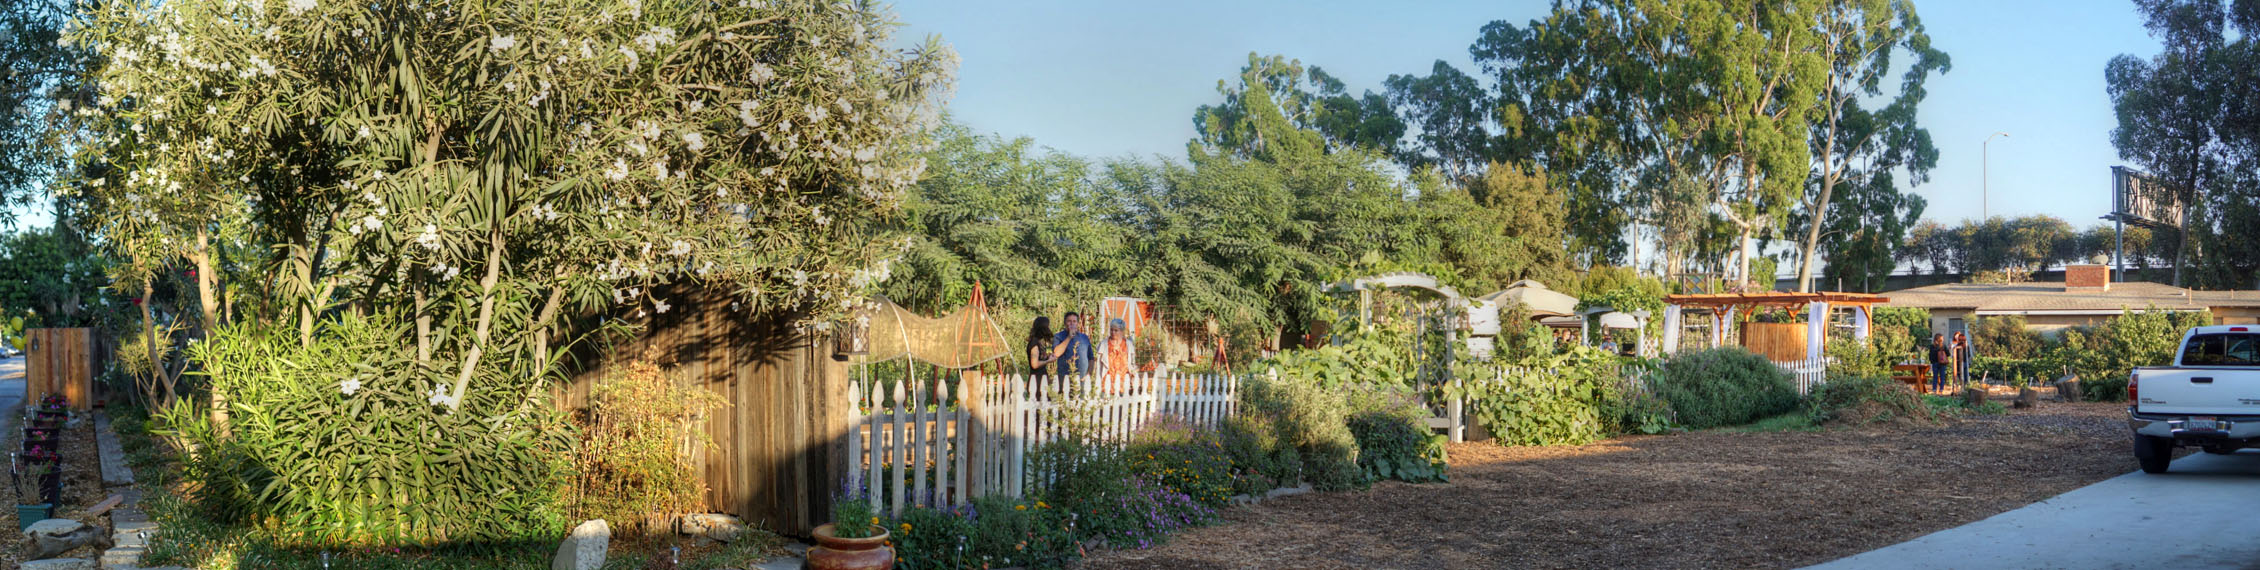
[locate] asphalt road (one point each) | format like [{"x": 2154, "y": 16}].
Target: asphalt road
[{"x": 2197, "y": 515}]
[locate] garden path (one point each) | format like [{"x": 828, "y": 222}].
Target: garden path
[{"x": 2194, "y": 516}]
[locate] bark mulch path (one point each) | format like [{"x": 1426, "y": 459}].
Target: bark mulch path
[{"x": 1692, "y": 500}]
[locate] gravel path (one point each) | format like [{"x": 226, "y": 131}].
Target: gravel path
[{"x": 1697, "y": 500}]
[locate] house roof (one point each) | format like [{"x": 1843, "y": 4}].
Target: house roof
[{"x": 2054, "y": 297}]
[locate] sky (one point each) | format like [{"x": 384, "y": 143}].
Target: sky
[{"x": 1113, "y": 79}]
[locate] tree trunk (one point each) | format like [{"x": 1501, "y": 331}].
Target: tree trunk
[
  {"x": 149, "y": 336},
  {"x": 1973, "y": 396},
  {"x": 207, "y": 308},
  {"x": 2027, "y": 397}
]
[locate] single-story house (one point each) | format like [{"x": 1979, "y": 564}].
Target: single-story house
[{"x": 2085, "y": 297}]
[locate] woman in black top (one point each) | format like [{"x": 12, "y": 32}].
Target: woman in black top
[{"x": 1040, "y": 349}]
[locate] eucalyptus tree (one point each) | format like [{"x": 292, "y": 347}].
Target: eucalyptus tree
[
  {"x": 1454, "y": 115},
  {"x": 1867, "y": 147},
  {"x": 1307, "y": 98},
  {"x": 2187, "y": 115},
  {"x": 487, "y": 169}
]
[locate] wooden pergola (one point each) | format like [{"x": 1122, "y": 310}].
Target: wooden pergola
[{"x": 1724, "y": 306}]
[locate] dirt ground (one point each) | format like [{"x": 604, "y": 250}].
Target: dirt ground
[{"x": 1692, "y": 500}]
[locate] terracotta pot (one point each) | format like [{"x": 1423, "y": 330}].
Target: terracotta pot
[{"x": 835, "y": 553}]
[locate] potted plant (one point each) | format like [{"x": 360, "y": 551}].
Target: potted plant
[
  {"x": 42, "y": 437},
  {"x": 54, "y": 406},
  {"x": 33, "y": 503},
  {"x": 854, "y": 540}
]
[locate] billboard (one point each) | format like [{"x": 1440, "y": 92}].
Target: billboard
[{"x": 2138, "y": 199}]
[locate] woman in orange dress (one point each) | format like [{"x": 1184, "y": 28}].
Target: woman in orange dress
[{"x": 1117, "y": 355}]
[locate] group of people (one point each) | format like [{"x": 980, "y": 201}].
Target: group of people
[
  {"x": 1069, "y": 352},
  {"x": 1950, "y": 360}
]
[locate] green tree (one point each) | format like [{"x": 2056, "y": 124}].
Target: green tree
[
  {"x": 1306, "y": 98},
  {"x": 2186, "y": 115},
  {"x": 42, "y": 82},
  {"x": 1864, "y": 148},
  {"x": 1451, "y": 110}
]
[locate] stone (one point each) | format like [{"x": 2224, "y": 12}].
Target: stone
[
  {"x": 724, "y": 528},
  {"x": 123, "y": 557},
  {"x": 584, "y": 548},
  {"x": 53, "y": 537},
  {"x": 59, "y": 564}
]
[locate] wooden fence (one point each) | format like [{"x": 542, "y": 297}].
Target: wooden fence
[
  {"x": 61, "y": 361},
  {"x": 937, "y": 442},
  {"x": 775, "y": 451},
  {"x": 1806, "y": 373}
]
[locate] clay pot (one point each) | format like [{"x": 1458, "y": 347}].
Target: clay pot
[{"x": 835, "y": 553}]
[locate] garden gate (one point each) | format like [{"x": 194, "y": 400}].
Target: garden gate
[
  {"x": 937, "y": 442},
  {"x": 60, "y": 361}
]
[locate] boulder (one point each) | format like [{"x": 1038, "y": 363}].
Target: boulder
[
  {"x": 59, "y": 564},
  {"x": 723, "y": 528},
  {"x": 53, "y": 537},
  {"x": 584, "y": 548}
]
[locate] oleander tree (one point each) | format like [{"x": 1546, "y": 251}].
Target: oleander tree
[
  {"x": 486, "y": 168},
  {"x": 422, "y": 203}
]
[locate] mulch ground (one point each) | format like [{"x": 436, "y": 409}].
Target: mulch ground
[
  {"x": 82, "y": 487},
  {"x": 1691, "y": 500}
]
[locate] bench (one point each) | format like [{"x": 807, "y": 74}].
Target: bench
[{"x": 1916, "y": 376}]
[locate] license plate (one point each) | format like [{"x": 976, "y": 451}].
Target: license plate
[{"x": 2201, "y": 424}]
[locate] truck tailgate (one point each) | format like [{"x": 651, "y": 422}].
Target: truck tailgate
[{"x": 2198, "y": 391}]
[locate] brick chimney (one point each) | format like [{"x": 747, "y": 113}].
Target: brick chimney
[{"x": 2087, "y": 278}]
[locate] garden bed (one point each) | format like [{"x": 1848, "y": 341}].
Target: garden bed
[
  {"x": 82, "y": 487},
  {"x": 1705, "y": 499}
]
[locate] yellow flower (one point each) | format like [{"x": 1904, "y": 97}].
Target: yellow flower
[
  {"x": 874, "y": 521},
  {"x": 1020, "y": 507},
  {"x": 1041, "y": 505},
  {"x": 906, "y": 527}
]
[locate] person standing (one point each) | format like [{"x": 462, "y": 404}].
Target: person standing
[
  {"x": 1941, "y": 362},
  {"x": 1073, "y": 346},
  {"x": 1117, "y": 354},
  {"x": 1962, "y": 357},
  {"x": 1041, "y": 350}
]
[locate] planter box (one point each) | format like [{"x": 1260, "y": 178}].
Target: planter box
[
  {"x": 28, "y": 514},
  {"x": 48, "y": 445}
]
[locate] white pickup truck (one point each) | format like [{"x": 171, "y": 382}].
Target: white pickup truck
[{"x": 2209, "y": 398}]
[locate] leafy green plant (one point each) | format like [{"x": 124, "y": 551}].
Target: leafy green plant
[
  {"x": 2103, "y": 355},
  {"x": 1184, "y": 458},
  {"x": 1723, "y": 387},
  {"x": 1574, "y": 397},
  {"x": 1259, "y": 461},
  {"x": 341, "y": 440},
  {"x": 1312, "y": 422},
  {"x": 1394, "y": 442},
  {"x": 1865, "y": 399}
]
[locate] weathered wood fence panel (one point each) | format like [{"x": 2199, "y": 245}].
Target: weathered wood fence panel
[
  {"x": 776, "y": 443},
  {"x": 60, "y": 361}
]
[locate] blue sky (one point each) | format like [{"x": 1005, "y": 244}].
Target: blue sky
[{"x": 1109, "y": 79}]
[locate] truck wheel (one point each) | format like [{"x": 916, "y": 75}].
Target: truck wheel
[{"x": 2153, "y": 453}]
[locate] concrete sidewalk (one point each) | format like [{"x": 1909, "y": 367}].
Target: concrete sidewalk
[{"x": 2200, "y": 514}]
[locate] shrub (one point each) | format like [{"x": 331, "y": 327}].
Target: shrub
[
  {"x": 993, "y": 532},
  {"x": 1394, "y": 442},
  {"x": 1865, "y": 399},
  {"x": 1259, "y": 461},
  {"x": 1724, "y": 387},
  {"x": 1107, "y": 500},
  {"x": 1571, "y": 398},
  {"x": 2102, "y": 355},
  {"x": 1184, "y": 458},
  {"x": 2005, "y": 336},
  {"x": 338, "y": 440},
  {"x": 1312, "y": 422},
  {"x": 629, "y": 462}
]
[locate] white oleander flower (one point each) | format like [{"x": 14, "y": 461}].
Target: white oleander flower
[
  {"x": 349, "y": 386},
  {"x": 300, "y": 6},
  {"x": 499, "y": 44}
]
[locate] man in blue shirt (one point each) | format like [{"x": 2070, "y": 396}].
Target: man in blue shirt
[{"x": 1076, "y": 359}]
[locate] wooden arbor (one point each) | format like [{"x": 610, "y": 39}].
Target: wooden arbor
[{"x": 1722, "y": 307}]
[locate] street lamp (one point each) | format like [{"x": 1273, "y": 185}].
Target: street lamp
[{"x": 1985, "y": 166}]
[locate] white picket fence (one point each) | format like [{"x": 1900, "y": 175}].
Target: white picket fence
[
  {"x": 934, "y": 442},
  {"x": 1808, "y": 372}
]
